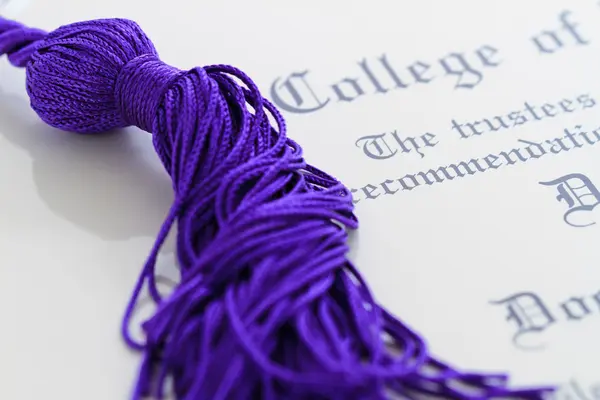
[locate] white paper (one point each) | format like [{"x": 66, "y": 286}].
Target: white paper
[{"x": 79, "y": 214}]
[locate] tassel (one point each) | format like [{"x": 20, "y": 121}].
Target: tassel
[{"x": 268, "y": 305}]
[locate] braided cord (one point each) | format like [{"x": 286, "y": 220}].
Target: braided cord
[{"x": 18, "y": 41}]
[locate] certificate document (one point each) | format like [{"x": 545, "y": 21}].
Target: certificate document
[{"x": 468, "y": 132}]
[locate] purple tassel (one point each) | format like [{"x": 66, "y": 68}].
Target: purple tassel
[{"x": 268, "y": 306}]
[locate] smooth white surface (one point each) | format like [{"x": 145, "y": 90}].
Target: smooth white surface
[{"x": 79, "y": 214}]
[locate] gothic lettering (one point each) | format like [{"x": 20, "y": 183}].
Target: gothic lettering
[
  {"x": 530, "y": 317},
  {"x": 527, "y": 114},
  {"x": 376, "y": 146},
  {"x": 295, "y": 94},
  {"x": 528, "y": 313},
  {"x": 576, "y": 190},
  {"x": 550, "y": 41}
]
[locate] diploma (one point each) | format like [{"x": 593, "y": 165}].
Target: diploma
[{"x": 468, "y": 133}]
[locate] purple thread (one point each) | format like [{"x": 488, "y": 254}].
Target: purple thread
[{"x": 268, "y": 306}]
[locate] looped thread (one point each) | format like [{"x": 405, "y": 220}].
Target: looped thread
[{"x": 140, "y": 87}]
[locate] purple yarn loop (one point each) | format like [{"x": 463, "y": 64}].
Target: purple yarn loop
[{"x": 268, "y": 305}]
